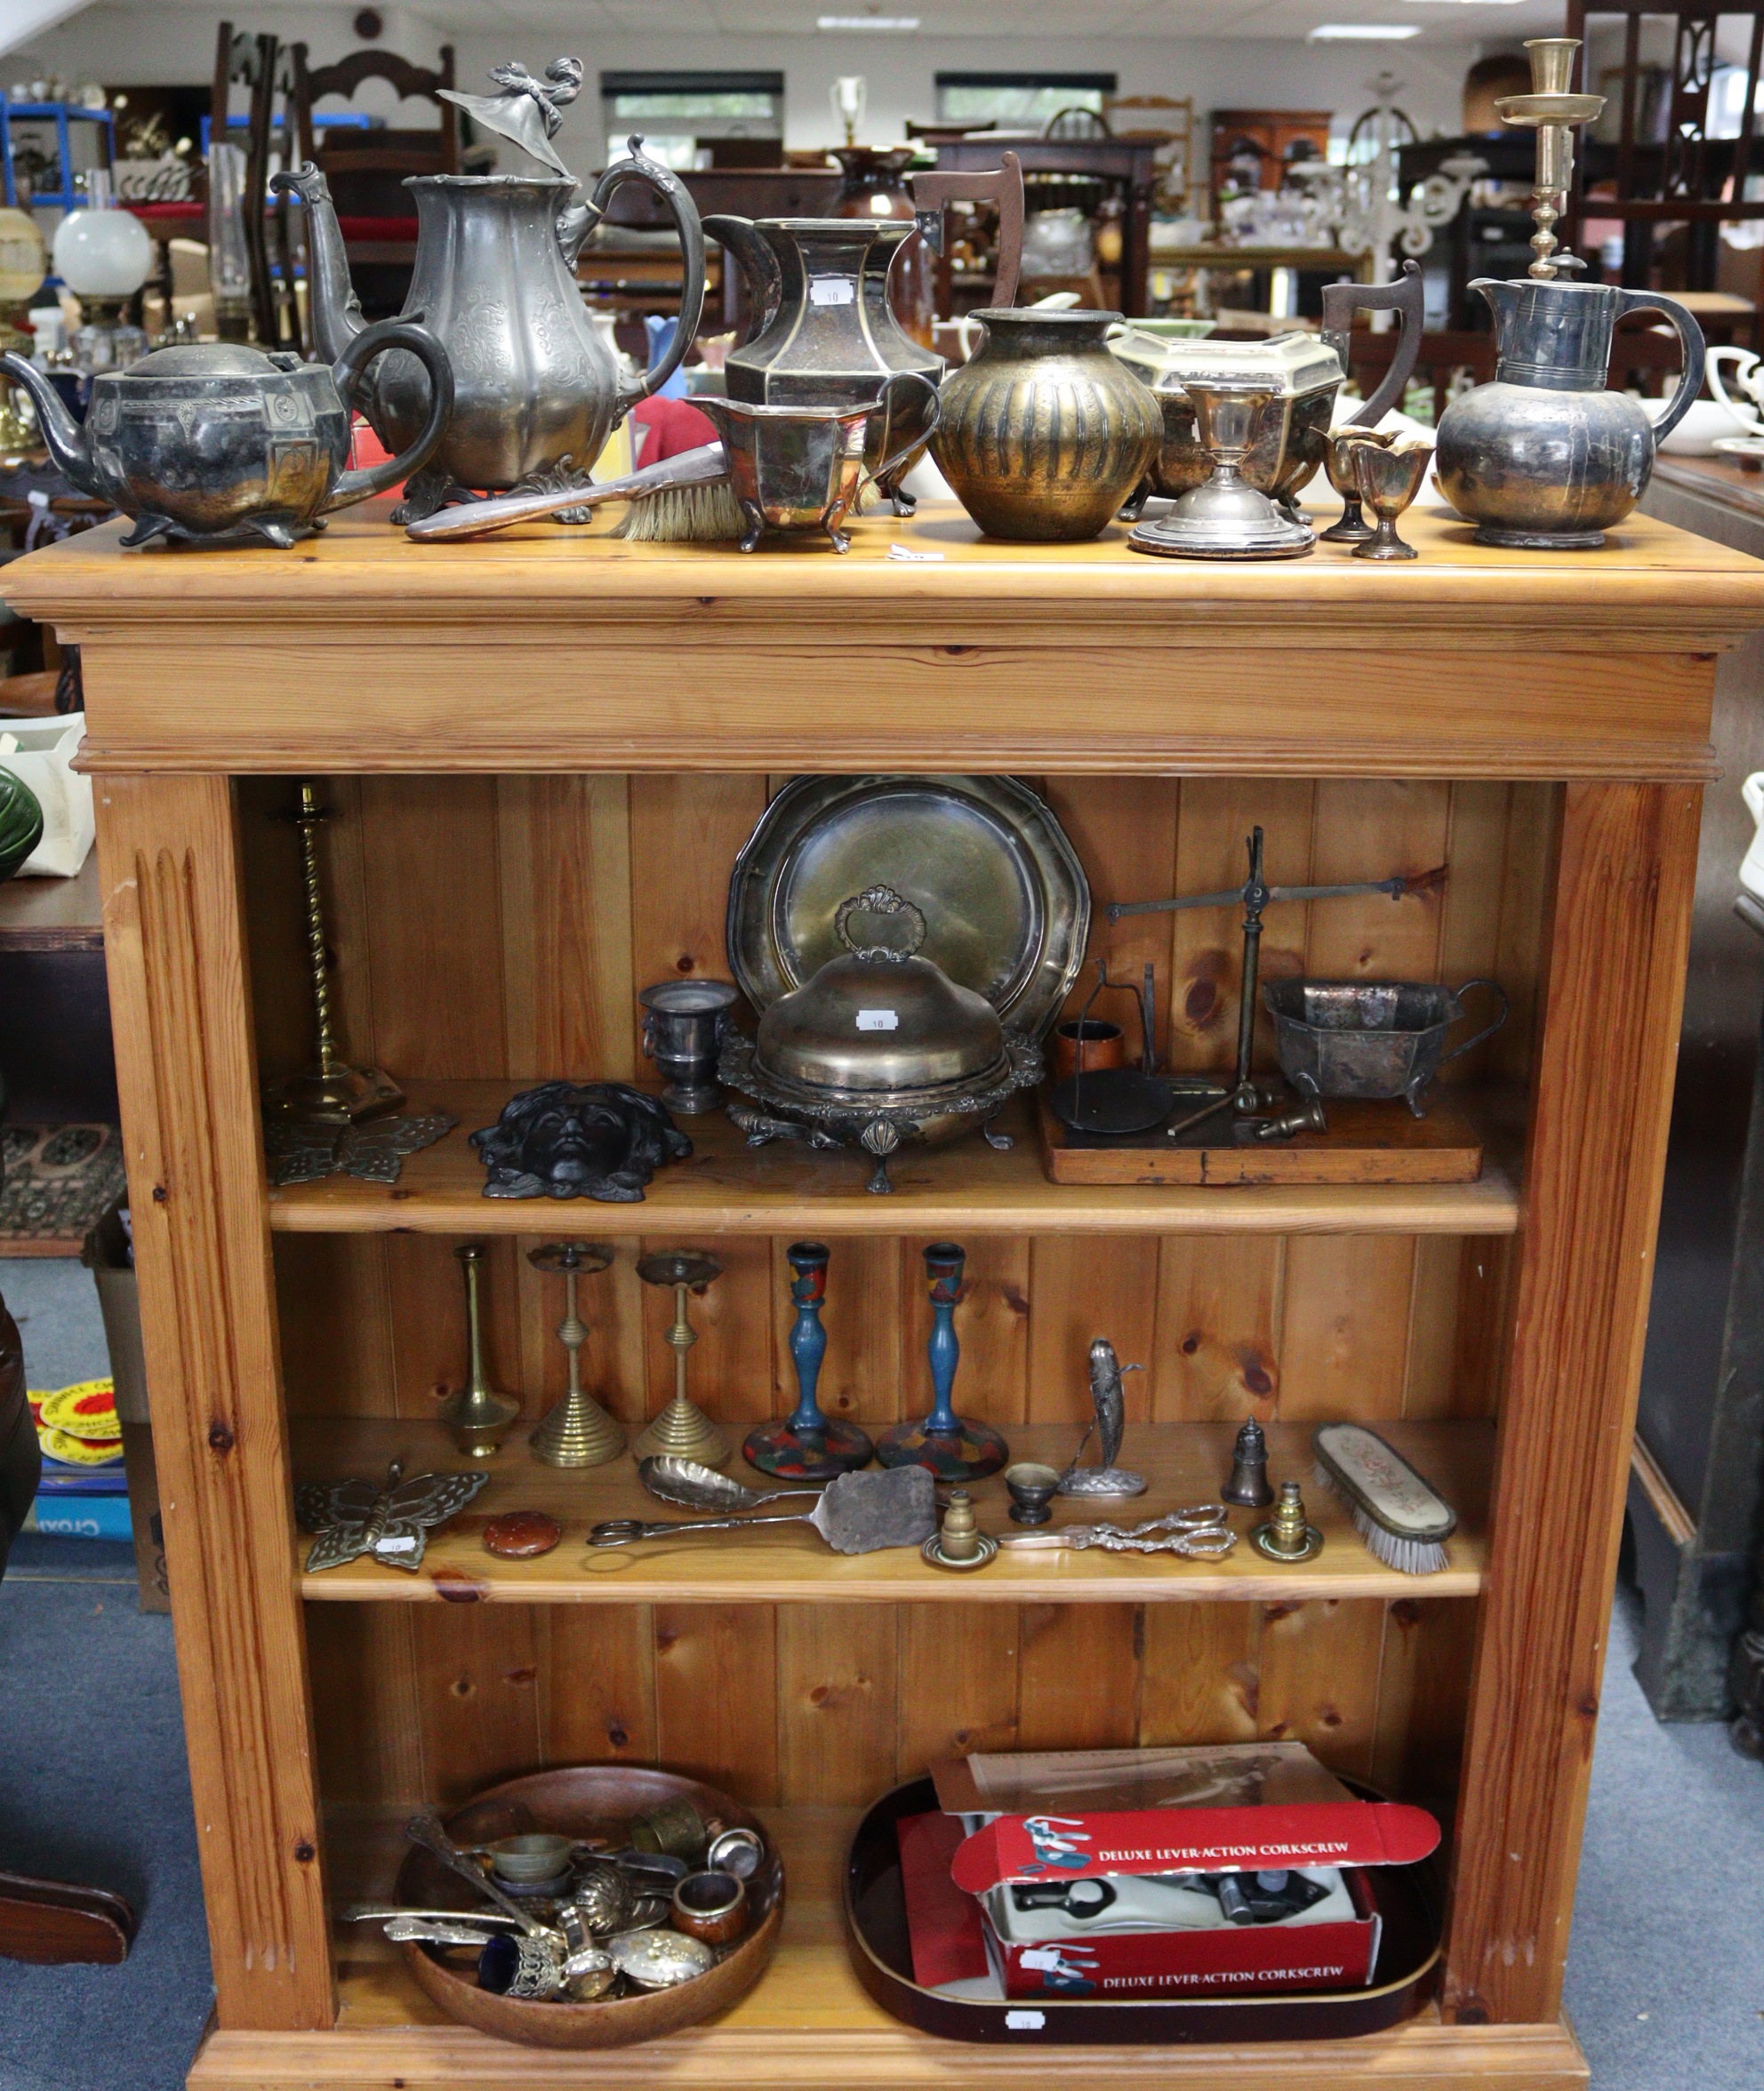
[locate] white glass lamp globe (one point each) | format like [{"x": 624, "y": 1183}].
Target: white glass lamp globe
[
  {"x": 103, "y": 253},
  {"x": 24, "y": 261}
]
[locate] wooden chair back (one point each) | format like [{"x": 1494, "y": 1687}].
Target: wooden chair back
[
  {"x": 440, "y": 149},
  {"x": 1685, "y": 177}
]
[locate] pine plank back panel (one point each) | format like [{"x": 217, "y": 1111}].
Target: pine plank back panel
[{"x": 560, "y": 896}]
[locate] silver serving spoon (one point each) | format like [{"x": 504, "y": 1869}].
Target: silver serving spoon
[
  {"x": 384, "y": 1912},
  {"x": 682, "y": 1481},
  {"x": 407, "y": 1929},
  {"x": 425, "y": 1831}
]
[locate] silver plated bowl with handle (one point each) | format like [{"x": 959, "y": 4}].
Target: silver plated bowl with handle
[{"x": 1370, "y": 1039}]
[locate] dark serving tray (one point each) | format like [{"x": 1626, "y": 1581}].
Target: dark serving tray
[{"x": 1409, "y": 1898}]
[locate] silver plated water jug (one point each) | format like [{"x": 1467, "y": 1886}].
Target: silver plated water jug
[{"x": 1545, "y": 459}]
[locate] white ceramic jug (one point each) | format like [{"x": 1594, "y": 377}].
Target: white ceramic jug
[{"x": 1752, "y": 870}]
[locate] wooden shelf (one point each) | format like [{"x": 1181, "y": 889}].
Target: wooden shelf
[
  {"x": 809, "y": 2023},
  {"x": 1043, "y": 659},
  {"x": 788, "y": 1564},
  {"x": 725, "y": 1187},
  {"x": 53, "y": 914}
]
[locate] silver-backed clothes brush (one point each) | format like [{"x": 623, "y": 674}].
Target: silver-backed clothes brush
[
  {"x": 1403, "y": 1519},
  {"x": 714, "y": 516}
]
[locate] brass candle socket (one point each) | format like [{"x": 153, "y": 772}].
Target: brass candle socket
[
  {"x": 1288, "y": 1536},
  {"x": 1388, "y": 481},
  {"x": 1338, "y": 463},
  {"x": 330, "y": 1092},
  {"x": 477, "y": 1415},
  {"x": 576, "y": 1432},
  {"x": 682, "y": 1429}
]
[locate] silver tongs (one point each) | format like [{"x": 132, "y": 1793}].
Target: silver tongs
[{"x": 1199, "y": 1533}]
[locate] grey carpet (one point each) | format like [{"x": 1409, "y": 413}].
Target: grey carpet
[{"x": 1665, "y": 1982}]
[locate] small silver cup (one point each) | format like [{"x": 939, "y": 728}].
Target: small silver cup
[{"x": 685, "y": 1022}]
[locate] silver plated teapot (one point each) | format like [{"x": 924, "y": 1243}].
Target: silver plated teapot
[
  {"x": 215, "y": 441},
  {"x": 536, "y": 388}
]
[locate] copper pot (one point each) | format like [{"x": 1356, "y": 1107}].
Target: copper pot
[{"x": 1091, "y": 1043}]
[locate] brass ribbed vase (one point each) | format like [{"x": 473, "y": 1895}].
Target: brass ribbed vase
[{"x": 1044, "y": 432}]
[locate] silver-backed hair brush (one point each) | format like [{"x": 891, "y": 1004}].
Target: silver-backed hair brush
[{"x": 701, "y": 508}]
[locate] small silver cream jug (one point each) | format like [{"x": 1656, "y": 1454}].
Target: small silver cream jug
[{"x": 1545, "y": 459}]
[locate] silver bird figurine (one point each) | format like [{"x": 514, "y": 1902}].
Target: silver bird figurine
[
  {"x": 527, "y": 111},
  {"x": 1108, "y": 1424}
]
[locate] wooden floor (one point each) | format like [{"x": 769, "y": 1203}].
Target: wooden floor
[
  {"x": 1182, "y": 1462},
  {"x": 726, "y": 1187},
  {"x": 808, "y": 2022}
]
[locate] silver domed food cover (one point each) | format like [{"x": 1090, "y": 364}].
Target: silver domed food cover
[{"x": 880, "y": 1050}]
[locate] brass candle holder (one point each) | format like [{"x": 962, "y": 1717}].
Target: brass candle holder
[
  {"x": 477, "y": 1415},
  {"x": 1555, "y": 115},
  {"x": 330, "y": 1092},
  {"x": 682, "y": 1428},
  {"x": 576, "y": 1431}
]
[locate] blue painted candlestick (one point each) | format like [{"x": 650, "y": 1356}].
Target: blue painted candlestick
[
  {"x": 956, "y": 1448},
  {"x": 807, "y": 1446}
]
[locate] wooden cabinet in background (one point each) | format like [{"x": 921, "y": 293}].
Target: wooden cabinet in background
[{"x": 1269, "y": 136}]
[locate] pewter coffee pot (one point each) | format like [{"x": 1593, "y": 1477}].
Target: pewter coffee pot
[
  {"x": 537, "y": 390},
  {"x": 1545, "y": 459},
  {"x": 212, "y": 441}
]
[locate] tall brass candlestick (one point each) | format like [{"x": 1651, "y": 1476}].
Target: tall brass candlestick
[
  {"x": 682, "y": 1428},
  {"x": 330, "y": 1092},
  {"x": 576, "y": 1432},
  {"x": 1554, "y": 113}
]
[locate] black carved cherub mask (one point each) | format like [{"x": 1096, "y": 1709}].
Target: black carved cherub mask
[{"x": 564, "y": 1140}]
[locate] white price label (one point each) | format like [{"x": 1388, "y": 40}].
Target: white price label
[
  {"x": 1025, "y": 2021},
  {"x": 396, "y": 1543},
  {"x": 877, "y": 1019},
  {"x": 831, "y": 290},
  {"x": 903, "y": 553}
]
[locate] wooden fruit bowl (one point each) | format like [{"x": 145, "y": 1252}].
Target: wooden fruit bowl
[{"x": 587, "y": 1800}]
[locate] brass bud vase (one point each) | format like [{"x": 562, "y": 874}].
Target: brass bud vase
[{"x": 477, "y": 1415}]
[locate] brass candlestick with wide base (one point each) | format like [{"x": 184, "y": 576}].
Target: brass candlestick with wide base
[
  {"x": 330, "y": 1092},
  {"x": 576, "y": 1432},
  {"x": 682, "y": 1428},
  {"x": 477, "y": 1415}
]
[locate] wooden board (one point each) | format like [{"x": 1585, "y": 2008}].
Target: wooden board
[
  {"x": 1365, "y": 1143},
  {"x": 53, "y": 914},
  {"x": 809, "y": 2023},
  {"x": 1182, "y": 1462},
  {"x": 726, "y": 1187},
  {"x": 1034, "y": 658}
]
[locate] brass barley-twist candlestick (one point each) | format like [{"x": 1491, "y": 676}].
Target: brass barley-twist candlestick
[
  {"x": 682, "y": 1428},
  {"x": 478, "y": 1416},
  {"x": 330, "y": 1092},
  {"x": 576, "y": 1432}
]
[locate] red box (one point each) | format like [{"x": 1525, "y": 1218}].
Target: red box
[{"x": 961, "y": 1905}]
